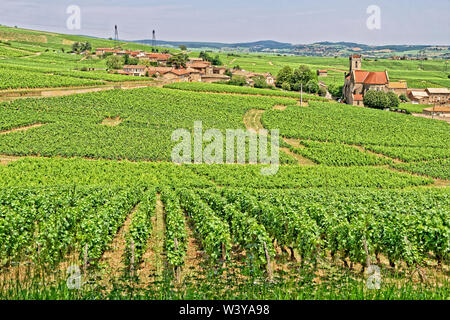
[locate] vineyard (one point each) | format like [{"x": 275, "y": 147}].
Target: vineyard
[
  {"x": 221, "y": 88},
  {"x": 88, "y": 187}
]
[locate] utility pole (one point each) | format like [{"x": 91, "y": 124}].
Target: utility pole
[
  {"x": 301, "y": 94},
  {"x": 154, "y": 39}
]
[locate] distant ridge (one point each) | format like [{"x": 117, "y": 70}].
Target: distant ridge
[{"x": 324, "y": 48}]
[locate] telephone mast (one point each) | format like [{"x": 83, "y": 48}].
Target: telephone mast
[{"x": 154, "y": 39}]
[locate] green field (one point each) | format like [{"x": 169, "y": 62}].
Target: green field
[{"x": 87, "y": 181}]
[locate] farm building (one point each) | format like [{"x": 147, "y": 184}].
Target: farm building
[
  {"x": 322, "y": 73},
  {"x": 399, "y": 88},
  {"x": 418, "y": 96},
  {"x": 160, "y": 58},
  {"x": 135, "y": 70},
  {"x": 438, "y": 96}
]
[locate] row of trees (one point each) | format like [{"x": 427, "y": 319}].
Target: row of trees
[
  {"x": 381, "y": 100},
  {"x": 289, "y": 79},
  {"x": 117, "y": 62}
]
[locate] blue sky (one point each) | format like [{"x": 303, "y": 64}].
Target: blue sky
[{"x": 299, "y": 21}]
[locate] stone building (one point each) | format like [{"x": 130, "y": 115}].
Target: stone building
[
  {"x": 358, "y": 82},
  {"x": 438, "y": 96},
  {"x": 399, "y": 88},
  {"x": 135, "y": 70}
]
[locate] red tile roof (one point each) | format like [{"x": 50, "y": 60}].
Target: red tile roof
[
  {"x": 369, "y": 77},
  {"x": 159, "y": 56},
  {"x": 179, "y": 72},
  {"x": 134, "y": 67},
  {"x": 199, "y": 64}
]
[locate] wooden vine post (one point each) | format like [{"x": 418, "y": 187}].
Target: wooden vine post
[
  {"x": 269, "y": 265},
  {"x": 368, "y": 264},
  {"x": 224, "y": 253},
  {"x": 132, "y": 258},
  {"x": 177, "y": 268},
  {"x": 85, "y": 260}
]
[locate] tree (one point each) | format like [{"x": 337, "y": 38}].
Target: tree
[
  {"x": 260, "y": 82},
  {"x": 284, "y": 76},
  {"x": 178, "y": 60},
  {"x": 114, "y": 62},
  {"x": 86, "y": 46},
  {"x": 183, "y": 47},
  {"x": 312, "y": 86},
  {"x": 403, "y": 98},
  {"x": 335, "y": 90},
  {"x": 394, "y": 100},
  {"x": 215, "y": 61},
  {"x": 130, "y": 61},
  {"x": 286, "y": 86},
  {"x": 303, "y": 74},
  {"x": 322, "y": 92},
  {"x": 376, "y": 99},
  {"x": 237, "y": 81},
  {"x": 76, "y": 46}
]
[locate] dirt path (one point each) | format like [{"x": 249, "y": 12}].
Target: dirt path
[
  {"x": 194, "y": 255},
  {"x": 252, "y": 121},
  {"x": 154, "y": 261},
  {"x": 32, "y": 55},
  {"x": 5, "y": 160},
  {"x": 111, "y": 122},
  {"x": 9, "y": 95},
  {"x": 337, "y": 70},
  {"x": 113, "y": 258},
  {"x": 36, "y": 125}
]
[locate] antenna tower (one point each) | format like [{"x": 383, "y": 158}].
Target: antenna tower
[{"x": 116, "y": 34}]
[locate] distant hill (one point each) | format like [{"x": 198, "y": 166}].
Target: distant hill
[{"x": 321, "y": 49}]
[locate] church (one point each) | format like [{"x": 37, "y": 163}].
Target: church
[{"x": 358, "y": 82}]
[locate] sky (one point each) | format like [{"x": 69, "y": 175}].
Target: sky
[{"x": 231, "y": 21}]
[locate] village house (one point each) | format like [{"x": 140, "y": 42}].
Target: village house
[
  {"x": 270, "y": 79},
  {"x": 201, "y": 66},
  {"x": 176, "y": 75},
  {"x": 358, "y": 82},
  {"x": 418, "y": 96},
  {"x": 102, "y": 51},
  {"x": 399, "y": 88},
  {"x": 322, "y": 73},
  {"x": 135, "y": 70},
  {"x": 160, "y": 58},
  {"x": 438, "y": 96}
]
